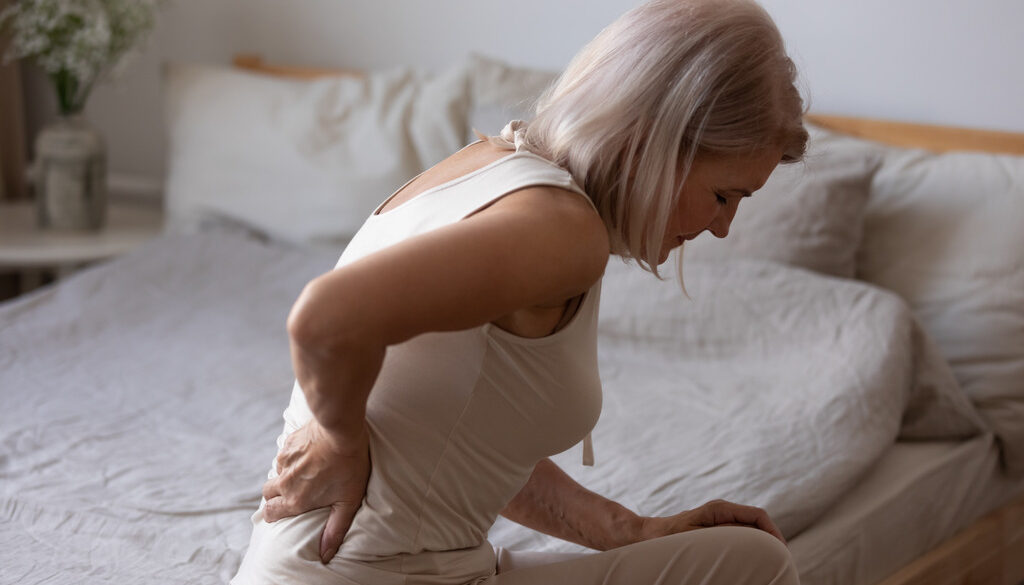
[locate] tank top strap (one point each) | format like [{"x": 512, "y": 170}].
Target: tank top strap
[
  {"x": 463, "y": 196},
  {"x": 513, "y": 137},
  {"x": 522, "y": 168},
  {"x": 519, "y": 170}
]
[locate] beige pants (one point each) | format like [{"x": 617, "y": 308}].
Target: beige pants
[
  {"x": 725, "y": 555},
  {"x": 285, "y": 553}
]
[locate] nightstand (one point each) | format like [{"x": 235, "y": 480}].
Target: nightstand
[{"x": 39, "y": 256}]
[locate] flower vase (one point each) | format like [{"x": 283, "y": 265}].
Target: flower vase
[{"x": 71, "y": 176}]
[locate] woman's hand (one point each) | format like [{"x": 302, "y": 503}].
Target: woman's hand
[
  {"x": 315, "y": 470},
  {"x": 714, "y": 513}
]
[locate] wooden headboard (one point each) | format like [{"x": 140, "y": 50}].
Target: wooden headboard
[
  {"x": 910, "y": 135},
  {"x": 934, "y": 138},
  {"x": 256, "y": 64}
]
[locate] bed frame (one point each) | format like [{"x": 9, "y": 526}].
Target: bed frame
[
  {"x": 991, "y": 550},
  {"x": 934, "y": 138}
]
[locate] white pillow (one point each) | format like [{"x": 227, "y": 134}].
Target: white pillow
[
  {"x": 809, "y": 214},
  {"x": 302, "y": 161},
  {"x": 947, "y": 233},
  {"x": 500, "y": 92}
]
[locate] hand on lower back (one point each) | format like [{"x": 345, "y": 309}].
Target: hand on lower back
[{"x": 317, "y": 470}]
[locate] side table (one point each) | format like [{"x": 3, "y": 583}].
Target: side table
[{"x": 34, "y": 253}]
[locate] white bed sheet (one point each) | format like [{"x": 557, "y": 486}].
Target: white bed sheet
[
  {"x": 140, "y": 402},
  {"x": 141, "y": 399},
  {"x": 915, "y": 497},
  {"x": 771, "y": 386}
]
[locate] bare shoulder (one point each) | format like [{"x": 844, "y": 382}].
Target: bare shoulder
[
  {"x": 558, "y": 220},
  {"x": 520, "y": 258}
]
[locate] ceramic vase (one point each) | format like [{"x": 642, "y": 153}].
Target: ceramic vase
[{"x": 71, "y": 176}]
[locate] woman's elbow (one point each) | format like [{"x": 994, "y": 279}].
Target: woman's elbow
[{"x": 317, "y": 318}]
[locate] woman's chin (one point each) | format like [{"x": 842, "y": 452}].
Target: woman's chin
[
  {"x": 665, "y": 254},
  {"x": 666, "y": 250}
]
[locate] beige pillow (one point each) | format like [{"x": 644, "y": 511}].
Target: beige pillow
[
  {"x": 808, "y": 214},
  {"x": 946, "y": 232}
]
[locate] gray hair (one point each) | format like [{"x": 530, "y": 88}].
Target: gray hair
[{"x": 667, "y": 81}]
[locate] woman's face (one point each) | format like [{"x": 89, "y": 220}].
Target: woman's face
[{"x": 712, "y": 192}]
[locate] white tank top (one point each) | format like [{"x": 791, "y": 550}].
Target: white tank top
[{"x": 458, "y": 420}]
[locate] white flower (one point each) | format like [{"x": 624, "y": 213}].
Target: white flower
[{"x": 76, "y": 42}]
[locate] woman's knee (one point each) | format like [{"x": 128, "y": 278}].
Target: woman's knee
[
  {"x": 736, "y": 554},
  {"x": 765, "y": 558}
]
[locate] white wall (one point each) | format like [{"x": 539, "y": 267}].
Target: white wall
[{"x": 953, "y": 62}]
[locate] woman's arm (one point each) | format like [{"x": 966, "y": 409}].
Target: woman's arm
[
  {"x": 535, "y": 247},
  {"x": 553, "y": 503}
]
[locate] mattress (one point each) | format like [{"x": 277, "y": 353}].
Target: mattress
[{"x": 915, "y": 497}]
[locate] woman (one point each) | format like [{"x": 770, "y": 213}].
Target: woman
[{"x": 454, "y": 345}]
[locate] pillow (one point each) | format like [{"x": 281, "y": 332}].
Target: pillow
[
  {"x": 500, "y": 92},
  {"x": 947, "y": 233},
  {"x": 808, "y": 214},
  {"x": 302, "y": 161}
]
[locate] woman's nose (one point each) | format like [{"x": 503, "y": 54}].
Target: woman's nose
[
  {"x": 720, "y": 225},
  {"x": 723, "y": 219}
]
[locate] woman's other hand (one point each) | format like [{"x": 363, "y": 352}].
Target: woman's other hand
[
  {"x": 714, "y": 513},
  {"x": 317, "y": 470}
]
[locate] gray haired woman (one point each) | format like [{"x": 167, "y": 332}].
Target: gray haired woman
[{"x": 453, "y": 348}]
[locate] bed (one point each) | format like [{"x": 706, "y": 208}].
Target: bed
[{"x": 851, "y": 358}]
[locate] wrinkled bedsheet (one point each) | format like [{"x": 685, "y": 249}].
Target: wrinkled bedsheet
[
  {"x": 770, "y": 386},
  {"x": 141, "y": 399}
]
